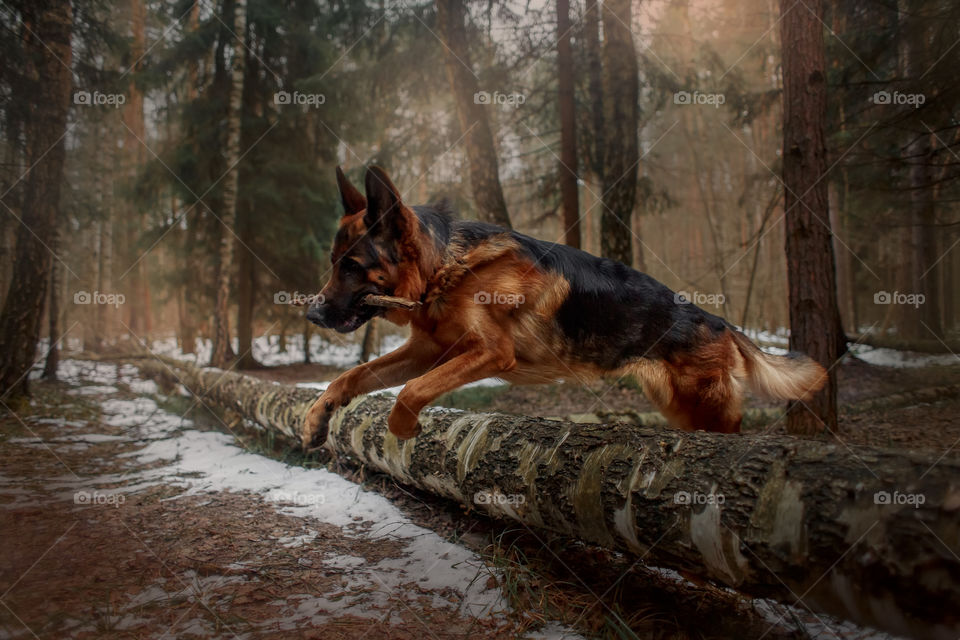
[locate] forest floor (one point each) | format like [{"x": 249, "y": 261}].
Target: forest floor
[
  {"x": 129, "y": 514},
  {"x": 122, "y": 517}
]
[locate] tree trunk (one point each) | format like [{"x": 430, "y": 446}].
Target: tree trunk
[
  {"x": 10, "y": 207},
  {"x": 705, "y": 182},
  {"x": 765, "y": 218},
  {"x": 8, "y": 235},
  {"x": 139, "y": 303},
  {"x": 840, "y": 223},
  {"x": 193, "y": 65},
  {"x": 222, "y": 354},
  {"x": 474, "y": 125},
  {"x": 371, "y": 340},
  {"x": 186, "y": 287},
  {"x": 246, "y": 263},
  {"x": 49, "y": 55},
  {"x": 568, "y": 173},
  {"x": 843, "y": 254},
  {"x": 187, "y": 325},
  {"x": 52, "y": 361},
  {"x": 307, "y": 330},
  {"x": 187, "y": 330},
  {"x": 596, "y": 147},
  {"x": 106, "y": 315},
  {"x": 621, "y": 89},
  {"x": 246, "y": 294},
  {"x": 595, "y": 84},
  {"x": 922, "y": 276},
  {"x": 814, "y": 316},
  {"x": 772, "y": 516}
]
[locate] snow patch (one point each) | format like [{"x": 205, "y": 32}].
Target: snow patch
[
  {"x": 266, "y": 349},
  {"x": 884, "y": 357},
  {"x": 200, "y": 462}
]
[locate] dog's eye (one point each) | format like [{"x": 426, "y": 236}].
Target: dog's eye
[{"x": 352, "y": 266}]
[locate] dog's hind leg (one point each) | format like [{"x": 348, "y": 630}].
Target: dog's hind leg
[
  {"x": 707, "y": 403},
  {"x": 691, "y": 399}
]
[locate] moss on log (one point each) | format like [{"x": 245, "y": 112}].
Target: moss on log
[{"x": 866, "y": 534}]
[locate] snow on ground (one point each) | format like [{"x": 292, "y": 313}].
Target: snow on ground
[
  {"x": 266, "y": 349},
  {"x": 895, "y": 358},
  {"x": 776, "y": 343},
  {"x": 199, "y": 462}
]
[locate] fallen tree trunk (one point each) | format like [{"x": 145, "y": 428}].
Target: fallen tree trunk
[{"x": 866, "y": 534}]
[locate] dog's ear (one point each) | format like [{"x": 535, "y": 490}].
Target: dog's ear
[
  {"x": 353, "y": 200},
  {"x": 384, "y": 208}
]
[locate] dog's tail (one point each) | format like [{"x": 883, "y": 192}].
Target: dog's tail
[{"x": 794, "y": 376}]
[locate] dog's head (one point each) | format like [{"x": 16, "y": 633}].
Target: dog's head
[{"x": 370, "y": 252}]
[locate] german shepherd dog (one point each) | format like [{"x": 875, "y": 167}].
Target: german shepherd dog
[{"x": 497, "y": 303}]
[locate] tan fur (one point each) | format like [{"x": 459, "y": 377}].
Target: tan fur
[
  {"x": 780, "y": 377},
  {"x": 704, "y": 388}
]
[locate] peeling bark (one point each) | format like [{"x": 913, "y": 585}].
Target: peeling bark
[{"x": 771, "y": 516}]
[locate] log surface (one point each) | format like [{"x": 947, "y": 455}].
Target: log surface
[{"x": 869, "y": 535}]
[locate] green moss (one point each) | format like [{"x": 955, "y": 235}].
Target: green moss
[{"x": 473, "y": 398}]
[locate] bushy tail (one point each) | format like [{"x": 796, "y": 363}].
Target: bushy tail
[{"x": 794, "y": 376}]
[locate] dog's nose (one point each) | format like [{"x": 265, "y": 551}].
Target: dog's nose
[{"x": 317, "y": 314}]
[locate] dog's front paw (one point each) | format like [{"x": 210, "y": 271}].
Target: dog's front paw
[
  {"x": 404, "y": 424},
  {"x": 316, "y": 424}
]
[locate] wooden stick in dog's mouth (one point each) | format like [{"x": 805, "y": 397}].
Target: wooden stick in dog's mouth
[
  {"x": 388, "y": 302},
  {"x": 391, "y": 302}
]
